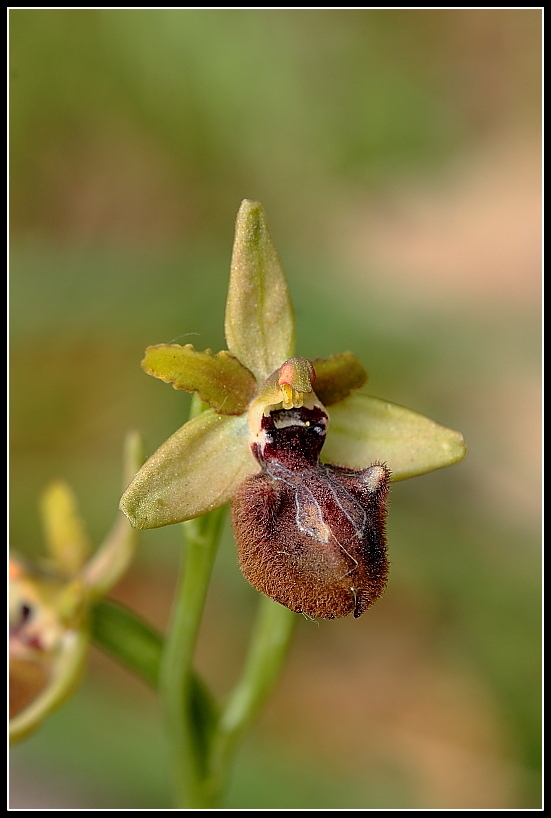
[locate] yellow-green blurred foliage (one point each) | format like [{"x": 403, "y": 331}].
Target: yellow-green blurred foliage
[{"x": 397, "y": 154}]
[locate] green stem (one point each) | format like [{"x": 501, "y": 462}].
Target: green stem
[
  {"x": 187, "y": 728},
  {"x": 267, "y": 652},
  {"x": 203, "y": 744}
]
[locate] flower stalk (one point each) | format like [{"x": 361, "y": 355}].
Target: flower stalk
[
  {"x": 187, "y": 729},
  {"x": 270, "y": 642}
]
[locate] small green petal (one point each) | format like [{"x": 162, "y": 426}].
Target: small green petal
[
  {"x": 196, "y": 470},
  {"x": 64, "y": 530},
  {"x": 219, "y": 380},
  {"x": 337, "y": 376},
  {"x": 259, "y": 324},
  {"x": 363, "y": 430}
]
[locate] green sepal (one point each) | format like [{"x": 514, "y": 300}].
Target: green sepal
[
  {"x": 219, "y": 380},
  {"x": 364, "y": 430},
  {"x": 259, "y": 323},
  {"x": 196, "y": 470},
  {"x": 337, "y": 376}
]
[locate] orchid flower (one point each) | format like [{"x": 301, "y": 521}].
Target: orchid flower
[
  {"x": 256, "y": 389},
  {"x": 201, "y": 465}
]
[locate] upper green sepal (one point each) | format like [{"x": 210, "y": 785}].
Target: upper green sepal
[
  {"x": 259, "y": 323},
  {"x": 364, "y": 430},
  {"x": 219, "y": 380}
]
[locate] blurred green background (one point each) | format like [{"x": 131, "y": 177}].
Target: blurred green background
[{"x": 397, "y": 154}]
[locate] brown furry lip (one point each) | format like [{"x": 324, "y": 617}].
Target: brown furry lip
[{"x": 309, "y": 535}]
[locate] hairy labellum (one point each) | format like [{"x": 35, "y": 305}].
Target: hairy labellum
[{"x": 309, "y": 535}]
